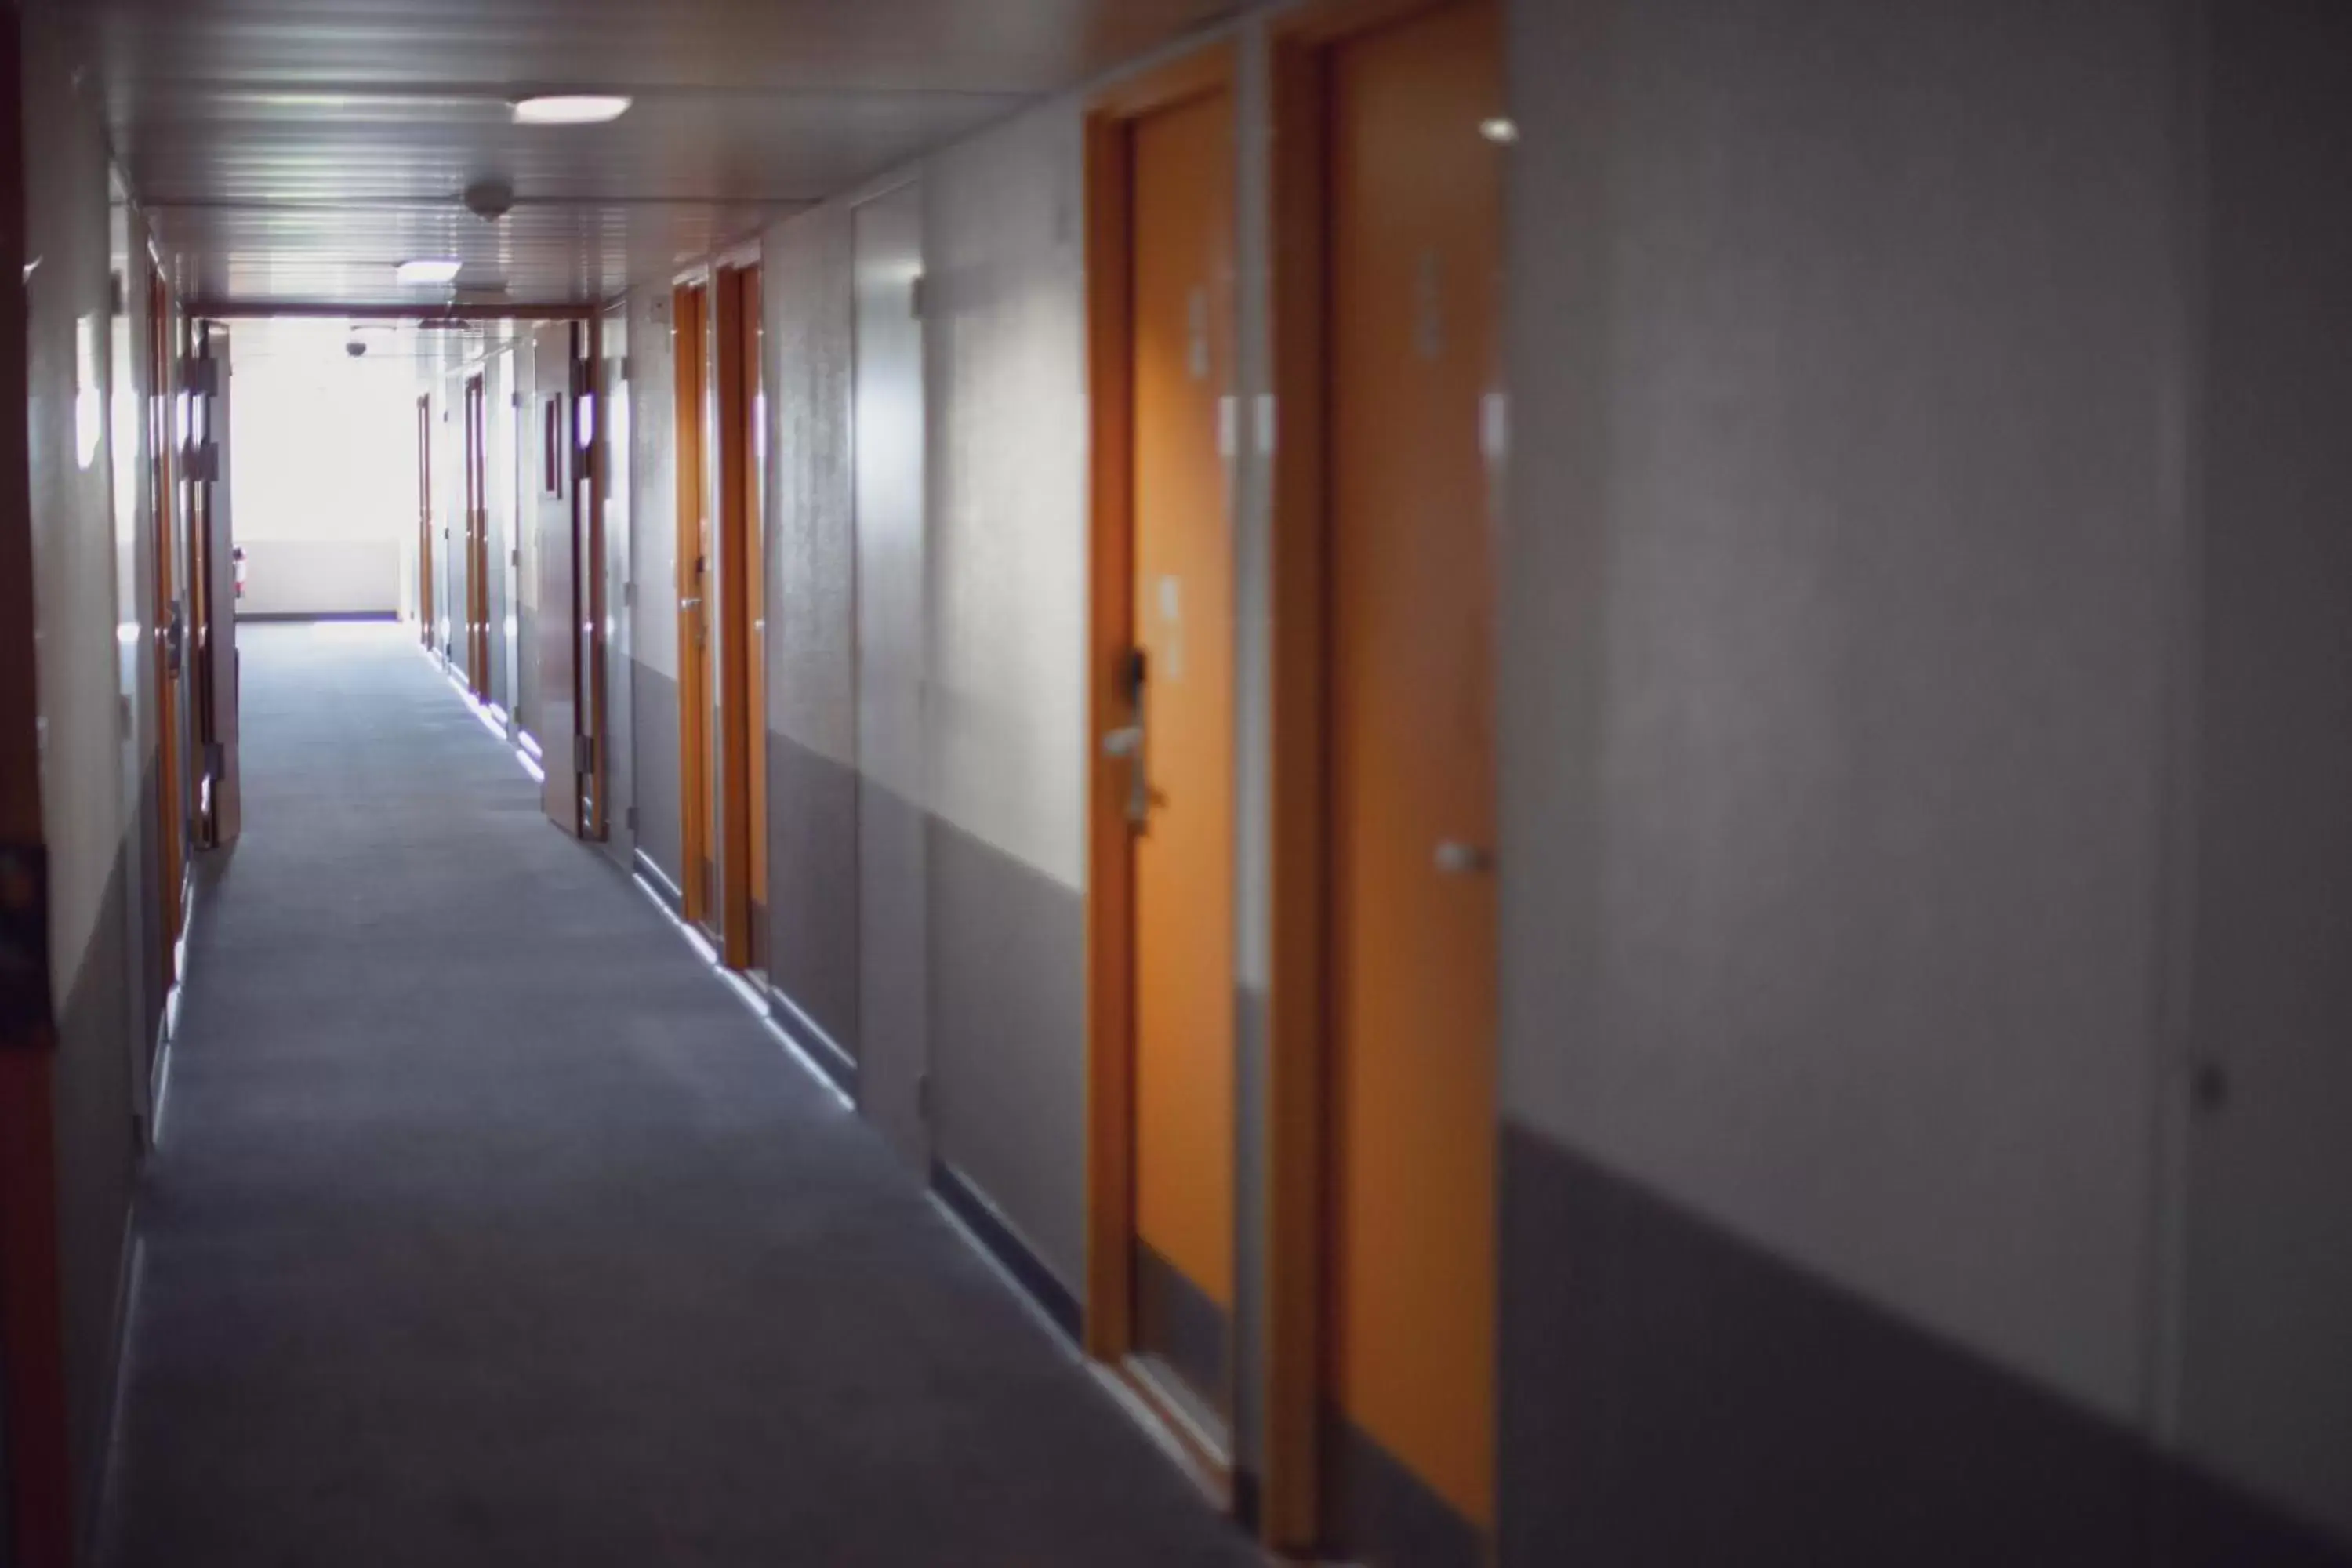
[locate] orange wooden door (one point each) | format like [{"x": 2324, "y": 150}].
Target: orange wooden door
[
  {"x": 687, "y": 306},
  {"x": 1415, "y": 215},
  {"x": 1182, "y": 251}
]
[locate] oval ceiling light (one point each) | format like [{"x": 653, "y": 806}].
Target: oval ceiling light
[
  {"x": 428, "y": 271},
  {"x": 570, "y": 109}
]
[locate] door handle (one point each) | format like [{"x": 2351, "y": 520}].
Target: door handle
[{"x": 1456, "y": 858}]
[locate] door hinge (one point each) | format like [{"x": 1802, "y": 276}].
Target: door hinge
[
  {"x": 584, "y": 753},
  {"x": 582, "y": 378},
  {"x": 200, "y": 378},
  {"x": 918, "y": 297},
  {"x": 204, "y": 461},
  {"x": 923, "y": 1095},
  {"x": 629, "y": 818}
]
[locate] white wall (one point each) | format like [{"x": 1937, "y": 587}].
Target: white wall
[
  {"x": 324, "y": 480},
  {"x": 1006, "y": 346}
]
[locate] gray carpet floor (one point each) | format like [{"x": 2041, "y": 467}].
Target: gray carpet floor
[{"x": 488, "y": 1228}]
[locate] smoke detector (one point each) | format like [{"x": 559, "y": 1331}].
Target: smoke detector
[{"x": 489, "y": 200}]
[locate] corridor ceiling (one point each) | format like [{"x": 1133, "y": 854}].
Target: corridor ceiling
[{"x": 294, "y": 151}]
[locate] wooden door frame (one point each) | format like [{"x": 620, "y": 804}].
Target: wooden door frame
[
  {"x": 689, "y": 315},
  {"x": 588, "y": 713},
  {"x": 204, "y": 607},
  {"x": 1111, "y": 934},
  {"x": 473, "y": 441},
  {"x": 163, "y": 473},
  {"x": 750, "y": 283},
  {"x": 731, "y": 544},
  {"x": 425, "y": 516},
  {"x": 572, "y": 467},
  {"x": 1300, "y": 1203}
]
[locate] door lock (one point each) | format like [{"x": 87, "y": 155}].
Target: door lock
[
  {"x": 1127, "y": 742},
  {"x": 1456, "y": 859},
  {"x": 1131, "y": 743}
]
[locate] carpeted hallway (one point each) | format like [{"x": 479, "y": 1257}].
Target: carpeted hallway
[{"x": 488, "y": 1228}]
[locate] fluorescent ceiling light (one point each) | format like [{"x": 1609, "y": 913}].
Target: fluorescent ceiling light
[
  {"x": 427, "y": 271},
  {"x": 570, "y": 109}
]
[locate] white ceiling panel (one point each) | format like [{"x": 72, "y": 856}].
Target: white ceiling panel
[{"x": 296, "y": 150}]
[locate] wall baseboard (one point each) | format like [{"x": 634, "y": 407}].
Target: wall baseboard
[
  {"x": 819, "y": 1047},
  {"x": 988, "y": 1227},
  {"x": 658, "y": 879},
  {"x": 299, "y": 615}
]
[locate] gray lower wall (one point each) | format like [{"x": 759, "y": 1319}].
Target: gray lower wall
[
  {"x": 94, "y": 1095},
  {"x": 2264, "y": 1379},
  {"x": 653, "y": 722},
  {"x": 1679, "y": 1396},
  {"x": 894, "y": 968},
  {"x": 1008, "y": 1040},
  {"x": 813, "y": 888}
]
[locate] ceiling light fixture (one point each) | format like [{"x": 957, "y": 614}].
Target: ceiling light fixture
[
  {"x": 570, "y": 109},
  {"x": 428, "y": 271},
  {"x": 1501, "y": 132}
]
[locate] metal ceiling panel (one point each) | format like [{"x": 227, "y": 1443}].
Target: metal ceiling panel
[{"x": 297, "y": 150}]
